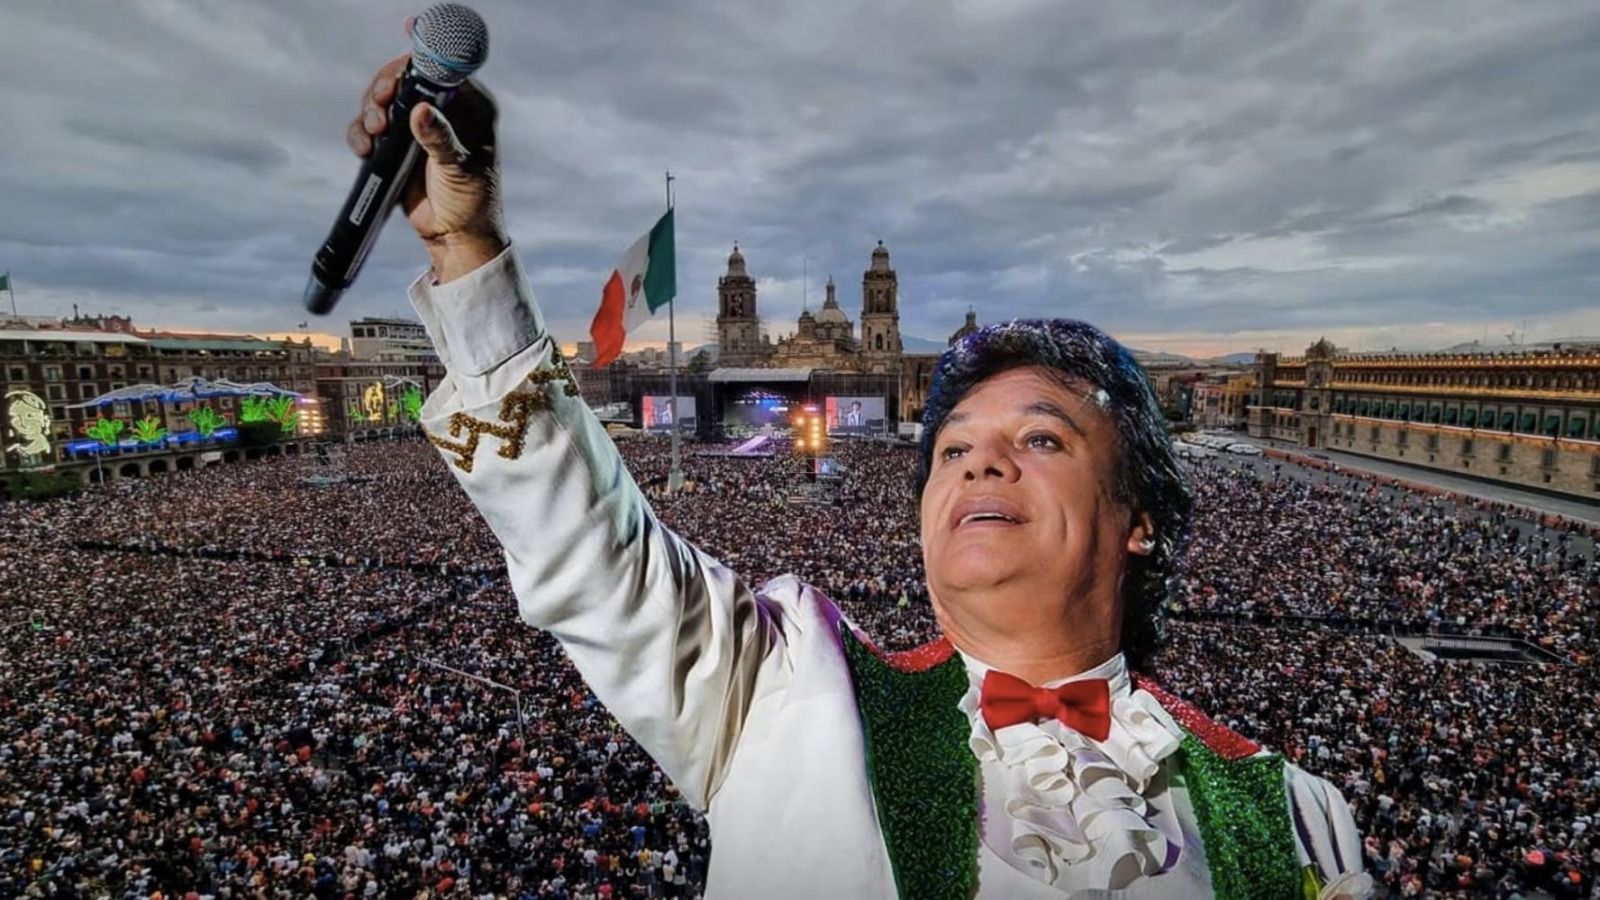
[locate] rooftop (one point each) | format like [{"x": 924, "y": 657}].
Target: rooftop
[
  {"x": 57, "y": 334},
  {"x": 734, "y": 375}
]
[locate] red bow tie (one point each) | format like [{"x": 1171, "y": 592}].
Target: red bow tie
[{"x": 1082, "y": 705}]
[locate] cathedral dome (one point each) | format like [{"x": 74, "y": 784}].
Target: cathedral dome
[{"x": 971, "y": 327}]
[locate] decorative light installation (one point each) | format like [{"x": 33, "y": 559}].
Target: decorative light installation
[
  {"x": 372, "y": 402},
  {"x": 149, "y": 431},
  {"x": 27, "y": 434},
  {"x": 262, "y": 401},
  {"x": 187, "y": 390},
  {"x": 206, "y": 421},
  {"x": 279, "y": 409},
  {"x": 411, "y": 403},
  {"x": 107, "y": 431}
]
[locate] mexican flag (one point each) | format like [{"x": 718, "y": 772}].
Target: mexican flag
[{"x": 644, "y": 281}]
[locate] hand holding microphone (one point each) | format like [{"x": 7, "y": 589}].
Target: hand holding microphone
[{"x": 453, "y": 197}]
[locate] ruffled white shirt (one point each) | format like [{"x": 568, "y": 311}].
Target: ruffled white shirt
[{"x": 1065, "y": 815}]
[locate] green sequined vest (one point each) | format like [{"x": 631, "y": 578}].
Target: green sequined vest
[{"x": 925, "y": 783}]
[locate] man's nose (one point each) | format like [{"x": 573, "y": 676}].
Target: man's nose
[{"x": 990, "y": 461}]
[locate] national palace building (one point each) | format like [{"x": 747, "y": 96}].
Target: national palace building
[{"x": 1527, "y": 415}]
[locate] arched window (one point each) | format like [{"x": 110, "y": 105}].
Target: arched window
[{"x": 877, "y": 342}]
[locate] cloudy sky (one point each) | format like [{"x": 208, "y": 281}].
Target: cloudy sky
[{"x": 1195, "y": 177}]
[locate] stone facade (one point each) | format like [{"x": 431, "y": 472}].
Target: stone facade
[
  {"x": 51, "y": 367},
  {"x": 822, "y": 340},
  {"x": 739, "y": 338},
  {"x": 1528, "y": 416},
  {"x": 1222, "y": 400},
  {"x": 880, "y": 315}
]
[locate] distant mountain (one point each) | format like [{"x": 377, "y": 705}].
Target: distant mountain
[
  {"x": 1234, "y": 359},
  {"x": 1478, "y": 347},
  {"x": 1158, "y": 358},
  {"x": 913, "y": 344}
]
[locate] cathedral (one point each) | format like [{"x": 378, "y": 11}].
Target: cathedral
[{"x": 824, "y": 340}]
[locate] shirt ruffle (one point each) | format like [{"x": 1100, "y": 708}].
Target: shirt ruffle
[{"x": 1078, "y": 804}]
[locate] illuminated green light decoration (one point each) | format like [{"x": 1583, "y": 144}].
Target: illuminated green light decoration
[
  {"x": 253, "y": 409},
  {"x": 206, "y": 421},
  {"x": 106, "y": 431},
  {"x": 278, "y": 409},
  {"x": 149, "y": 430},
  {"x": 281, "y": 409},
  {"x": 411, "y": 402}
]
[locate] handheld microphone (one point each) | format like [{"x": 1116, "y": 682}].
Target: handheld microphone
[{"x": 448, "y": 43}]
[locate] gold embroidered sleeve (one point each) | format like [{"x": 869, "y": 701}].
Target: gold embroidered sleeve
[{"x": 516, "y": 408}]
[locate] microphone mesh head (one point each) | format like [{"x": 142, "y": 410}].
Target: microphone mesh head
[{"x": 448, "y": 43}]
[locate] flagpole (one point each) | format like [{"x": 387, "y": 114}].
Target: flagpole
[
  {"x": 675, "y": 477},
  {"x": 13, "y": 292}
]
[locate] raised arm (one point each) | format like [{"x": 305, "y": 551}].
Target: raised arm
[
  {"x": 670, "y": 639},
  {"x": 667, "y": 637}
]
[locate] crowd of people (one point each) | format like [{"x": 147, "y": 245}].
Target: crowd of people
[
  {"x": 1353, "y": 551},
  {"x": 262, "y": 681}
]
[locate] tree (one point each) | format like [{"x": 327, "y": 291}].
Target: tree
[{"x": 700, "y": 362}]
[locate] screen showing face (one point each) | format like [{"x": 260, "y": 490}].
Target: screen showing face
[
  {"x": 660, "y": 412},
  {"x": 856, "y": 415}
]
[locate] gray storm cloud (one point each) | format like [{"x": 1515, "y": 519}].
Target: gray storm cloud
[{"x": 1182, "y": 173}]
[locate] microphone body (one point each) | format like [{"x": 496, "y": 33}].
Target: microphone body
[
  {"x": 449, "y": 42},
  {"x": 382, "y": 177}
]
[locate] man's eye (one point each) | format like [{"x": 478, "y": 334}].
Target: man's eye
[
  {"x": 1044, "y": 440},
  {"x": 951, "y": 452}
]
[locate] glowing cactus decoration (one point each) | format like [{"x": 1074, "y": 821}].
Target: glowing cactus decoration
[
  {"x": 106, "y": 431},
  {"x": 206, "y": 421},
  {"x": 149, "y": 430},
  {"x": 411, "y": 402},
  {"x": 278, "y": 409},
  {"x": 253, "y": 409},
  {"x": 281, "y": 409}
]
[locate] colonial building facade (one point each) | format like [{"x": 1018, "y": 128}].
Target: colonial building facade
[
  {"x": 53, "y": 369},
  {"x": 823, "y": 340},
  {"x": 1222, "y": 400},
  {"x": 1526, "y": 415}
]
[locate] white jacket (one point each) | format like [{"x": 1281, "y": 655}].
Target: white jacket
[{"x": 743, "y": 698}]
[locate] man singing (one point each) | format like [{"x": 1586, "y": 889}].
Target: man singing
[{"x": 1020, "y": 756}]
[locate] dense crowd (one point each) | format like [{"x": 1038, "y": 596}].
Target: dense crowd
[
  {"x": 242, "y": 682},
  {"x": 1351, "y": 551}
]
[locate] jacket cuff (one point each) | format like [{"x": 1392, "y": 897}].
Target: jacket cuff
[{"x": 483, "y": 318}]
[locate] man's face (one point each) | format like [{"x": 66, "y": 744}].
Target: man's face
[{"x": 1019, "y": 522}]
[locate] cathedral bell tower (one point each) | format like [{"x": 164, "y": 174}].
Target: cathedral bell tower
[
  {"x": 738, "y": 326},
  {"x": 880, "y": 315}
]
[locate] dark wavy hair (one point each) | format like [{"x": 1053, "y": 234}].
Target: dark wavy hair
[{"x": 1148, "y": 478}]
